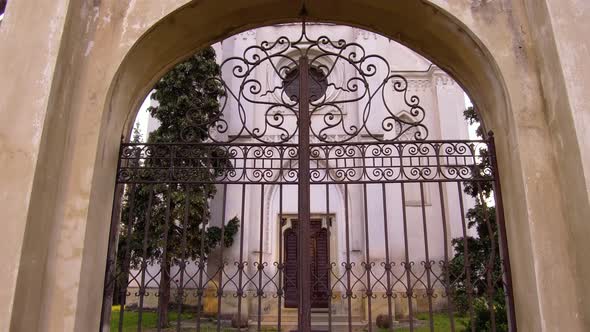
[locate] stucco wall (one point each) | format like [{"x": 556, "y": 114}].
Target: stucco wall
[{"x": 559, "y": 30}]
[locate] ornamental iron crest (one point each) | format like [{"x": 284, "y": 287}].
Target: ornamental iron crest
[{"x": 269, "y": 107}]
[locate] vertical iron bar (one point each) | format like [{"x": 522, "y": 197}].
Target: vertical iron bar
[
  {"x": 348, "y": 265},
  {"x": 408, "y": 266},
  {"x": 389, "y": 291},
  {"x": 201, "y": 287},
  {"x": 427, "y": 266},
  {"x": 502, "y": 234},
  {"x": 240, "y": 266},
  {"x": 260, "y": 263},
  {"x": 142, "y": 286},
  {"x": 329, "y": 267},
  {"x": 163, "y": 263},
  {"x": 180, "y": 291},
  {"x": 125, "y": 269},
  {"x": 110, "y": 270},
  {"x": 369, "y": 290},
  {"x": 304, "y": 191},
  {"x": 491, "y": 259},
  {"x": 467, "y": 266},
  {"x": 281, "y": 267},
  {"x": 110, "y": 275},
  {"x": 446, "y": 258},
  {"x": 221, "y": 262}
]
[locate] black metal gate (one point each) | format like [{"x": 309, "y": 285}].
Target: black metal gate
[{"x": 399, "y": 248}]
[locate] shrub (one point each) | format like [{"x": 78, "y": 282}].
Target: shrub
[{"x": 383, "y": 321}]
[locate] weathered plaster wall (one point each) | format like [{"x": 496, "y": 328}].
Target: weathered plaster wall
[
  {"x": 559, "y": 30},
  {"x": 568, "y": 22},
  {"x": 25, "y": 103},
  {"x": 59, "y": 138},
  {"x": 64, "y": 34}
]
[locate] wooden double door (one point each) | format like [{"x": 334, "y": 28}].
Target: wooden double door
[{"x": 319, "y": 265}]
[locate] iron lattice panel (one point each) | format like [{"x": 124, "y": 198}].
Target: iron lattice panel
[{"x": 329, "y": 163}]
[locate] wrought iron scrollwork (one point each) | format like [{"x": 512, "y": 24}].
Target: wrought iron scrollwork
[
  {"x": 258, "y": 110},
  {"x": 208, "y": 163},
  {"x": 329, "y": 163}
]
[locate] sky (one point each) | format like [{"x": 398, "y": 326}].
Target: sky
[{"x": 143, "y": 117}]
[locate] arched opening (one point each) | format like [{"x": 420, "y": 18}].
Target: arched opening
[
  {"x": 477, "y": 100},
  {"x": 390, "y": 143}
]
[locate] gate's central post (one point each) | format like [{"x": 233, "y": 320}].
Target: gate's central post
[{"x": 304, "y": 275}]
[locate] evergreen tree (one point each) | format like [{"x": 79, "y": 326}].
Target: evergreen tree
[
  {"x": 187, "y": 105},
  {"x": 482, "y": 219}
]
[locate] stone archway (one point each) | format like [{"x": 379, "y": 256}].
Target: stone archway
[{"x": 484, "y": 45}]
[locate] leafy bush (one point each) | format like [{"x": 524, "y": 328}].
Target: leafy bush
[{"x": 482, "y": 262}]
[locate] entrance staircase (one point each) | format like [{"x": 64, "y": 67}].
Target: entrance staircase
[{"x": 320, "y": 321}]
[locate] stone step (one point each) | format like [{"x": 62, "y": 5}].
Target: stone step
[
  {"x": 336, "y": 326},
  {"x": 315, "y": 317}
]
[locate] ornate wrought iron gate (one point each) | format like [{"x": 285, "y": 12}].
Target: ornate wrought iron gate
[{"x": 389, "y": 208}]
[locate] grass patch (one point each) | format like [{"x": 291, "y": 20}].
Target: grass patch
[
  {"x": 149, "y": 322},
  {"x": 149, "y": 319},
  {"x": 442, "y": 323}
]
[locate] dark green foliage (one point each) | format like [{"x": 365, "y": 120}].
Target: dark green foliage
[
  {"x": 472, "y": 117},
  {"x": 188, "y": 103},
  {"x": 188, "y": 98},
  {"x": 482, "y": 316},
  {"x": 483, "y": 255},
  {"x": 479, "y": 256},
  {"x": 474, "y": 188}
]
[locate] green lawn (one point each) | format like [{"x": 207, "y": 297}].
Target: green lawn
[
  {"x": 442, "y": 323},
  {"x": 148, "y": 320}
]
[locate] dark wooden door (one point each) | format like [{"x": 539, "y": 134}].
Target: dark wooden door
[
  {"x": 290, "y": 275},
  {"x": 319, "y": 266}
]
